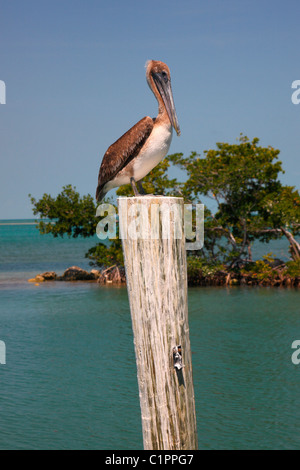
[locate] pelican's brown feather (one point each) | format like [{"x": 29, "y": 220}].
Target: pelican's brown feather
[{"x": 120, "y": 153}]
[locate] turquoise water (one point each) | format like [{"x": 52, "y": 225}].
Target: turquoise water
[
  {"x": 25, "y": 253},
  {"x": 70, "y": 378}
]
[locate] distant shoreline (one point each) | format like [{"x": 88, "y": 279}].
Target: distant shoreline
[
  {"x": 17, "y": 223},
  {"x": 116, "y": 275},
  {"x": 13, "y": 222}
]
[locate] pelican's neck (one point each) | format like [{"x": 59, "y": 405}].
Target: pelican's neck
[{"x": 162, "y": 112}]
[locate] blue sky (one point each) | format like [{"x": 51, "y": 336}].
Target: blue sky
[{"x": 75, "y": 82}]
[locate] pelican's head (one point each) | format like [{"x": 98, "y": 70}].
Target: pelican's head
[{"x": 159, "y": 80}]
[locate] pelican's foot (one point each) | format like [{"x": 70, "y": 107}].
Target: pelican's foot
[{"x": 141, "y": 191}]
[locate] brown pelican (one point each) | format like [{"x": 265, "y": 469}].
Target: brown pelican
[{"x": 141, "y": 148}]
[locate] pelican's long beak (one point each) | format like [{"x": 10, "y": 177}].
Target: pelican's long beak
[{"x": 163, "y": 85}]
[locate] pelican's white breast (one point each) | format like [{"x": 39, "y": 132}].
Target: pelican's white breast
[{"x": 155, "y": 149}]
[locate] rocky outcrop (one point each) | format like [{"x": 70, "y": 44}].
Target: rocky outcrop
[
  {"x": 49, "y": 276},
  {"x": 116, "y": 275},
  {"x": 37, "y": 279},
  {"x": 76, "y": 274}
]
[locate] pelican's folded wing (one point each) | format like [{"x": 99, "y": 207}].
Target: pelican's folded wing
[{"x": 119, "y": 154}]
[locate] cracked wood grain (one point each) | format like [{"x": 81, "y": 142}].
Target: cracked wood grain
[{"x": 157, "y": 288}]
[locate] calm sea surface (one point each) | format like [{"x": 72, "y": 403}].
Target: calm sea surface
[{"x": 69, "y": 381}]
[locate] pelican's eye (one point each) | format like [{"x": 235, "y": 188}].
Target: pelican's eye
[{"x": 165, "y": 76}]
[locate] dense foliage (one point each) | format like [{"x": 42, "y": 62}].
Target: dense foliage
[
  {"x": 67, "y": 214},
  {"x": 251, "y": 203}
]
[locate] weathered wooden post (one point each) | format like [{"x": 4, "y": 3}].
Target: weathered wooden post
[{"x": 155, "y": 261}]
